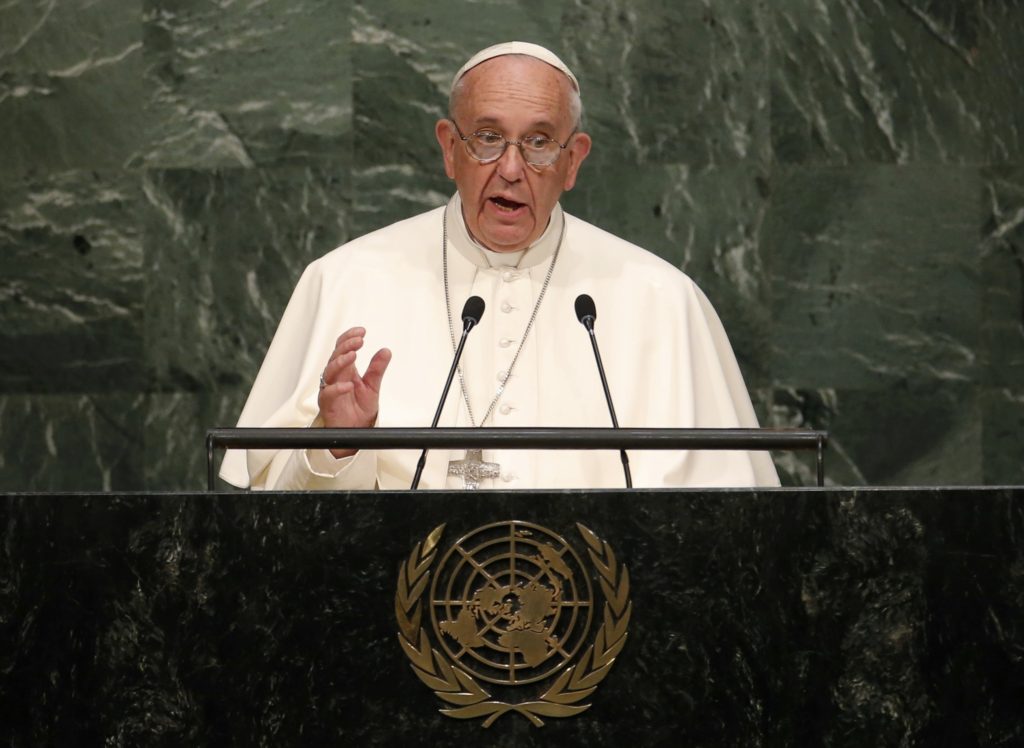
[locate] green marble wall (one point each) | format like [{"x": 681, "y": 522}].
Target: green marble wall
[{"x": 845, "y": 179}]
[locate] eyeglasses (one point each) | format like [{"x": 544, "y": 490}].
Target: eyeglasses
[{"x": 489, "y": 145}]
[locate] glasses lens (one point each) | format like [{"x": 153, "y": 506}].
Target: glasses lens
[
  {"x": 486, "y": 145},
  {"x": 540, "y": 151}
]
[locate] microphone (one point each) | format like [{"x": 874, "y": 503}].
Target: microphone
[
  {"x": 586, "y": 313},
  {"x": 472, "y": 311}
]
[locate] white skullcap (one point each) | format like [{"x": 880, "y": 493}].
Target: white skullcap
[{"x": 517, "y": 48}]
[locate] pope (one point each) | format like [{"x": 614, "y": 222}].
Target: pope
[{"x": 513, "y": 144}]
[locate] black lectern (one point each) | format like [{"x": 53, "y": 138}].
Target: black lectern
[{"x": 834, "y": 616}]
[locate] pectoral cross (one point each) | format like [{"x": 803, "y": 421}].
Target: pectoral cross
[{"x": 473, "y": 469}]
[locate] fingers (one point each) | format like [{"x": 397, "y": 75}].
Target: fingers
[
  {"x": 350, "y": 340},
  {"x": 341, "y": 376},
  {"x": 347, "y": 399},
  {"x": 344, "y": 355},
  {"x": 338, "y": 388},
  {"x": 340, "y": 368}
]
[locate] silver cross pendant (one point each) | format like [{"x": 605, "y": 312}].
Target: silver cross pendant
[{"x": 473, "y": 469}]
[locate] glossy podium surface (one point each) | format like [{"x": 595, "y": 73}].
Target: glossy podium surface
[{"x": 787, "y": 617}]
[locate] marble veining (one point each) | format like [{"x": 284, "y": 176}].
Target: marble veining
[{"x": 843, "y": 180}]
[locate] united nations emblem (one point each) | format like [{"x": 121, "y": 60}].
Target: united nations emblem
[{"x": 510, "y": 609}]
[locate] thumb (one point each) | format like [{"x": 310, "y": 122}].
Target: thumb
[{"x": 374, "y": 373}]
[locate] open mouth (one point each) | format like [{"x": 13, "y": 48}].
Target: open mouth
[{"x": 506, "y": 205}]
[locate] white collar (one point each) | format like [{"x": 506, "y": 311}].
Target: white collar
[{"x": 537, "y": 253}]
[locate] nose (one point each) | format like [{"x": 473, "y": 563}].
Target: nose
[{"x": 511, "y": 164}]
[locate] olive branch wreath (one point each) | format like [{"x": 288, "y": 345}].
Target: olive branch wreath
[{"x": 457, "y": 687}]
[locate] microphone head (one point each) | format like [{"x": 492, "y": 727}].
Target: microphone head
[
  {"x": 585, "y": 309},
  {"x": 472, "y": 311}
]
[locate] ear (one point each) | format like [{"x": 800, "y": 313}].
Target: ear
[
  {"x": 446, "y": 138},
  {"x": 577, "y": 152}
]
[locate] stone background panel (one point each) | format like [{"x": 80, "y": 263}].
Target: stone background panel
[{"x": 845, "y": 181}]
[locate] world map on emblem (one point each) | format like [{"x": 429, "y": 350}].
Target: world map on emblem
[{"x": 511, "y": 603}]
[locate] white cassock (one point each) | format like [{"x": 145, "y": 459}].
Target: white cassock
[{"x": 668, "y": 361}]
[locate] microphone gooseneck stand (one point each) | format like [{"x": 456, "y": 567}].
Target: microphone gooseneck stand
[
  {"x": 586, "y": 313},
  {"x": 472, "y": 311}
]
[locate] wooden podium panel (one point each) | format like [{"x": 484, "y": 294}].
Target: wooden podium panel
[{"x": 776, "y": 617}]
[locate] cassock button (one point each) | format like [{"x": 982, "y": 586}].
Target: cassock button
[
  {"x": 505, "y": 342},
  {"x": 505, "y": 409},
  {"x": 506, "y": 307},
  {"x": 502, "y": 376},
  {"x": 509, "y": 275},
  {"x": 507, "y": 477}
]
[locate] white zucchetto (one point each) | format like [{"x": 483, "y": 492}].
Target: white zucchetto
[{"x": 517, "y": 48}]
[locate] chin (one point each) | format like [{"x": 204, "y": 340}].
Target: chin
[
  {"x": 506, "y": 246},
  {"x": 506, "y": 241}
]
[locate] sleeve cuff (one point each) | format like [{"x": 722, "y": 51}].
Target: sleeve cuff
[{"x": 321, "y": 463}]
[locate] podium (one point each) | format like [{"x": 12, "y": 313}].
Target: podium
[{"x": 833, "y": 616}]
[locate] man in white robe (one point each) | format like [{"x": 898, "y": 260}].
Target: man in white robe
[{"x": 399, "y": 291}]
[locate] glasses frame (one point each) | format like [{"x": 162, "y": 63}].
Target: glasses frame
[{"x": 517, "y": 143}]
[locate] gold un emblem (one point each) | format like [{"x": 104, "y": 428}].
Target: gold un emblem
[{"x": 510, "y": 608}]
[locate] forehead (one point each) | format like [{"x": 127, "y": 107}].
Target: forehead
[{"x": 515, "y": 87}]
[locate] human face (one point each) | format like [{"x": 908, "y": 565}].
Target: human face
[{"x": 507, "y": 203}]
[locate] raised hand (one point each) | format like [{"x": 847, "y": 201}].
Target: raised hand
[{"x": 348, "y": 399}]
